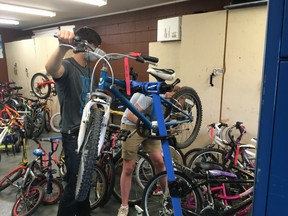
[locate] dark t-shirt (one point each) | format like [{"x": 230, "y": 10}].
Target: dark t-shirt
[{"x": 72, "y": 89}]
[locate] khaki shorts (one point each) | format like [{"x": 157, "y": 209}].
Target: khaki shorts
[{"x": 131, "y": 145}]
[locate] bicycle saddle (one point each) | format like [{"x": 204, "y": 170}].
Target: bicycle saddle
[{"x": 163, "y": 74}]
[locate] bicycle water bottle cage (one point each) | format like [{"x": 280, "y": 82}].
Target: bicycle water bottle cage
[{"x": 162, "y": 74}]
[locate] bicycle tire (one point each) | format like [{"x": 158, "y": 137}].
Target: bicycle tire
[
  {"x": 53, "y": 196},
  {"x": 207, "y": 155},
  {"x": 88, "y": 153},
  {"x": 28, "y": 126},
  {"x": 137, "y": 183},
  {"x": 39, "y": 124},
  {"x": 34, "y": 192},
  {"x": 189, "y": 154},
  {"x": 99, "y": 187},
  {"x": 62, "y": 166},
  {"x": 191, "y": 201},
  {"x": 109, "y": 168},
  {"x": 42, "y": 92},
  {"x": 47, "y": 119},
  {"x": 186, "y": 133},
  {"x": 13, "y": 176},
  {"x": 55, "y": 122}
]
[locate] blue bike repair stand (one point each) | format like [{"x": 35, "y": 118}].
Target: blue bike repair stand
[{"x": 166, "y": 151}]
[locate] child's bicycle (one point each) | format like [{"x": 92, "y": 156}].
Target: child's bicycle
[
  {"x": 42, "y": 86},
  {"x": 29, "y": 195},
  {"x": 184, "y": 112}
]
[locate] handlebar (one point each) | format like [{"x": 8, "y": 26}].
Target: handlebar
[{"x": 80, "y": 45}]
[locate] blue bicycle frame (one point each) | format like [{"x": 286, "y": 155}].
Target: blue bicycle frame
[{"x": 147, "y": 88}]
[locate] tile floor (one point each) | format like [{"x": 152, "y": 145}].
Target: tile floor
[{"x": 8, "y": 196}]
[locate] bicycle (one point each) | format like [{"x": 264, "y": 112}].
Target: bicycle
[
  {"x": 53, "y": 187},
  {"x": 29, "y": 196},
  {"x": 212, "y": 192},
  {"x": 186, "y": 109},
  {"x": 42, "y": 86}
]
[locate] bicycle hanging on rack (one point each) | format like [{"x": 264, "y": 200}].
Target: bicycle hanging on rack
[{"x": 183, "y": 110}]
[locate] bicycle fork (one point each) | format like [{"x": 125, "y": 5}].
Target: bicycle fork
[{"x": 102, "y": 101}]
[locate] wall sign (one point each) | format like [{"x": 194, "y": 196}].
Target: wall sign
[{"x": 169, "y": 29}]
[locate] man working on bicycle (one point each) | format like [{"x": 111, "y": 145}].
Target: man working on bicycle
[
  {"x": 130, "y": 147},
  {"x": 72, "y": 78}
]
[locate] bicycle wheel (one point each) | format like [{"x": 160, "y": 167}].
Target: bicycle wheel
[
  {"x": 12, "y": 177},
  {"x": 188, "y": 101},
  {"x": 99, "y": 187},
  {"x": 47, "y": 119},
  {"x": 40, "y": 91},
  {"x": 28, "y": 126},
  {"x": 39, "y": 124},
  {"x": 161, "y": 204},
  {"x": 52, "y": 191},
  {"x": 55, "y": 122},
  {"x": 88, "y": 153},
  {"x": 28, "y": 203},
  {"x": 207, "y": 155},
  {"x": 143, "y": 172},
  {"x": 62, "y": 166},
  {"x": 189, "y": 154},
  {"x": 108, "y": 166}
]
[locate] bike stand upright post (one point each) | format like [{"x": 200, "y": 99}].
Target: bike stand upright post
[{"x": 167, "y": 156}]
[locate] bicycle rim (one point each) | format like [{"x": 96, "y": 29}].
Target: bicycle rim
[
  {"x": 88, "y": 155},
  {"x": 55, "y": 122},
  {"x": 52, "y": 195},
  {"x": 47, "y": 120},
  {"x": 28, "y": 203},
  {"x": 99, "y": 187}
]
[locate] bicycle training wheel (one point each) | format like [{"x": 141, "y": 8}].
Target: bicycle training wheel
[
  {"x": 186, "y": 102},
  {"x": 88, "y": 153},
  {"x": 28, "y": 203},
  {"x": 55, "y": 122},
  {"x": 39, "y": 88}
]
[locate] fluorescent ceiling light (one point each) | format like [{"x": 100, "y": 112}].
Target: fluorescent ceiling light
[
  {"x": 26, "y": 10},
  {"x": 94, "y": 2},
  {"x": 9, "y": 22}
]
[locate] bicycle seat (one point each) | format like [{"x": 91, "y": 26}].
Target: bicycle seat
[
  {"x": 209, "y": 166},
  {"x": 164, "y": 74}
]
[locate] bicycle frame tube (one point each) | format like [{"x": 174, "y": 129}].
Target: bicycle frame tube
[{"x": 104, "y": 83}]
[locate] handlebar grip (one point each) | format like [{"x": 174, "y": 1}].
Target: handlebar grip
[{"x": 150, "y": 58}]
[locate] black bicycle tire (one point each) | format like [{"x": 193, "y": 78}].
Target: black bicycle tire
[
  {"x": 34, "y": 208},
  {"x": 190, "y": 153},
  {"x": 38, "y": 126},
  {"x": 95, "y": 187},
  {"x": 88, "y": 153},
  {"x": 199, "y": 113},
  {"x": 116, "y": 191},
  {"x": 44, "y": 96},
  {"x": 47, "y": 118},
  {"x": 151, "y": 186},
  {"x": 18, "y": 172},
  {"x": 108, "y": 164},
  {"x": 207, "y": 151},
  {"x": 28, "y": 126},
  {"x": 58, "y": 185}
]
